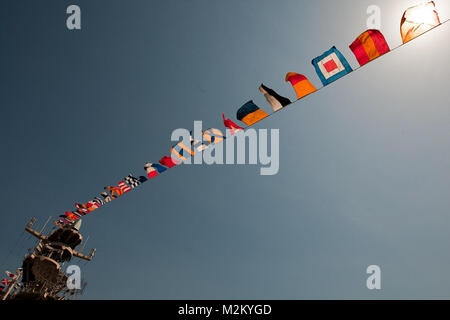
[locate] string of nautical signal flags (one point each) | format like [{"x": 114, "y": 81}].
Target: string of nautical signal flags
[{"x": 330, "y": 66}]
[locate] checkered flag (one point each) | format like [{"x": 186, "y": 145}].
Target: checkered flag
[{"x": 132, "y": 181}]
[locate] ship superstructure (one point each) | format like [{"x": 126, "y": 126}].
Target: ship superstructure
[{"x": 41, "y": 276}]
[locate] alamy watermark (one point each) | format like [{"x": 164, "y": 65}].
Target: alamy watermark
[
  {"x": 73, "y": 22},
  {"x": 374, "y": 280},
  {"x": 231, "y": 148},
  {"x": 374, "y": 19},
  {"x": 73, "y": 277}
]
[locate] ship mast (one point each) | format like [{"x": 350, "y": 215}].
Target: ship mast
[{"x": 41, "y": 277}]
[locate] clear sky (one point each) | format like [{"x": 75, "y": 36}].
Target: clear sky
[{"x": 364, "y": 164}]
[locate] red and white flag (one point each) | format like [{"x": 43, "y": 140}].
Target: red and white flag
[
  {"x": 124, "y": 187},
  {"x": 10, "y": 274},
  {"x": 5, "y": 282}
]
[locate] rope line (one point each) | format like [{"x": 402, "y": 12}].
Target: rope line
[{"x": 354, "y": 70}]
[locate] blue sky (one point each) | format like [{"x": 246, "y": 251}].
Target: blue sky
[{"x": 364, "y": 164}]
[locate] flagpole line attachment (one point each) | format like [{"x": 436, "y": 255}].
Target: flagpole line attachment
[
  {"x": 45, "y": 224},
  {"x": 16, "y": 245},
  {"x": 84, "y": 244}
]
